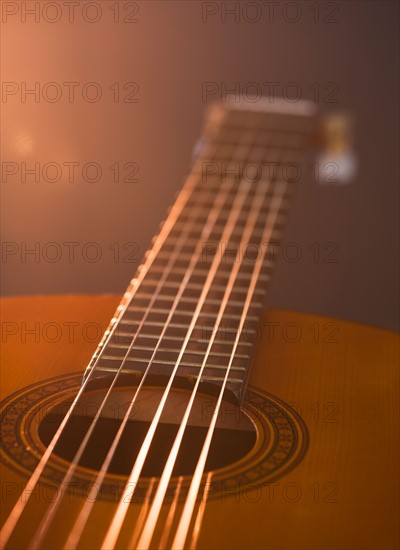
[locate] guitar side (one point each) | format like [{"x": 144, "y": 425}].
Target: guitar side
[{"x": 342, "y": 380}]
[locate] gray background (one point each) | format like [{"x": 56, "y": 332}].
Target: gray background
[{"x": 171, "y": 52}]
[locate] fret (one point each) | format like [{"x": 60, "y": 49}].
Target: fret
[
  {"x": 204, "y": 273},
  {"x": 247, "y": 252},
  {"x": 181, "y": 223},
  {"x": 155, "y": 337},
  {"x": 196, "y": 230},
  {"x": 188, "y": 300},
  {"x": 207, "y": 203},
  {"x": 194, "y": 286},
  {"x": 241, "y": 220},
  {"x": 161, "y": 311},
  {"x": 203, "y": 192},
  {"x": 170, "y": 358},
  {"x": 163, "y": 365},
  {"x": 193, "y": 377},
  {"x": 199, "y": 210},
  {"x": 228, "y": 256},
  {"x": 198, "y": 227},
  {"x": 234, "y": 240},
  {"x": 225, "y": 209},
  {"x": 164, "y": 362},
  {"x": 191, "y": 296},
  {"x": 199, "y": 275},
  {"x": 222, "y": 345},
  {"x": 157, "y": 324},
  {"x": 192, "y": 292},
  {"x": 172, "y": 326},
  {"x": 177, "y": 350},
  {"x": 208, "y": 185}
]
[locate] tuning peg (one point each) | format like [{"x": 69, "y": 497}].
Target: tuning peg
[{"x": 336, "y": 162}]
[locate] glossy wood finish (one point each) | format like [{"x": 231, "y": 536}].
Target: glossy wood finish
[{"x": 341, "y": 377}]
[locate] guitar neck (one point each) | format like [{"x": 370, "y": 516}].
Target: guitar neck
[{"x": 194, "y": 304}]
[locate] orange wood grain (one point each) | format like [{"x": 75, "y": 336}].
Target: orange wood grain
[{"x": 341, "y": 377}]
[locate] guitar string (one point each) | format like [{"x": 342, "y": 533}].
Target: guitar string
[
  {"x": 16, "y": 512},
  {"x": 119, "y": 516},
  {"x": 55, "y": 504},
  {"x": 85, "y": 511},
  {"x": 151, "y": 521},
  {"x": 200, "y": 514},
  {"x": 143, "y": 511},
  {"x": 186, "y": 516},
  {"x": 168, "y": 524}
]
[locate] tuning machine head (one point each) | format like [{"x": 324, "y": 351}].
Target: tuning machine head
[{"x": 336, "y": 161}]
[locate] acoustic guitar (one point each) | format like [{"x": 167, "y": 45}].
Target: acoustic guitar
[{"x": 201, "y": 421}]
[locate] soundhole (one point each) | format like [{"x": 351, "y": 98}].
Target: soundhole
[{"x": 234, "y": 436}]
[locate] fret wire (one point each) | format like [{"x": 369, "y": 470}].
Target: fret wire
[
  {"x": 179, "y": 339},
  {"x": 227, "y": 330},
  {"x": 212, "y": 378},
  {"x": 184, "y": 364},
  {"x": 188, "y": 313},
  {"x": 169, "y": 284},
  {"x": 228, "y": 259},
  {"x": 167, "y": 350},
  {"x": 187, "y": 299}
]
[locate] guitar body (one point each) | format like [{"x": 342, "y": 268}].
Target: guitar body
[{"x": 332, "y": 384}]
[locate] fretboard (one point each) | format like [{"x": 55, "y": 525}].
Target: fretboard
[{"x": 196, "y": 301}]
